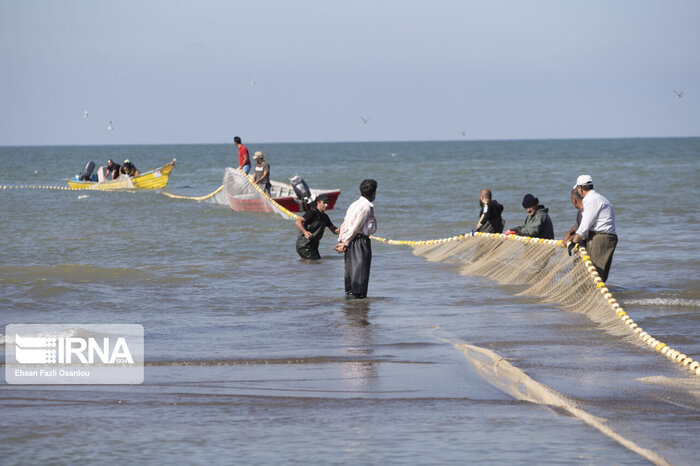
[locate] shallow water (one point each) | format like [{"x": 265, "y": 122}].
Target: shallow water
[{"x": 253, "y": 356}]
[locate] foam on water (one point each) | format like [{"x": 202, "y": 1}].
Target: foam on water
[{"x": 663, "y": 302}]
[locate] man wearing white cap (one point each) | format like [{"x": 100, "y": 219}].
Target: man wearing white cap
[
  {"x": 262, "y": 172},
  {"x": 597, "y": 226}
]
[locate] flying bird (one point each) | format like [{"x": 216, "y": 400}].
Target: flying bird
[
  {"x": 463, "y": 133},
  {"x": 393, "y": 154},
  {"x": 252, "y": 82},
  {"x": 85, "y": 113},
  {"x": 364, "y": 120},
  {"x": 110, "y": 127},
  {"x": 678, "y": 94}
]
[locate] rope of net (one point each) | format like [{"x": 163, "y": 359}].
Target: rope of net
[
  {"x": 196, "y": 198},
  {"x": 60, "y": 188}
]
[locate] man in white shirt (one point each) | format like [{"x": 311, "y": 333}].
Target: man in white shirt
[
  {"x": 597, "y": 226},
  {"x": 354, "y": 241}
]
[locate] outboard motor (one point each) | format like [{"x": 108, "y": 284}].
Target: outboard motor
[
  {"x": 86, "y": 174},
  {"x": 301, "y": 189}
]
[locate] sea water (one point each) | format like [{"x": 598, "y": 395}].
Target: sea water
[{"x": 253, "y": 356}]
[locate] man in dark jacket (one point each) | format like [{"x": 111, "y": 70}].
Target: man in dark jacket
[
  {"x": 311, "y": 227},
  {"x": 537, "y": 224},
  {"x": 490, "y": 220}
]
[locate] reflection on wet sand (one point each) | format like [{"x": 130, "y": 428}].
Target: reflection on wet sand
[{"x": 358, "y": 342}]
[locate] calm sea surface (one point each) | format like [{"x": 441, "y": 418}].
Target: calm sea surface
[{"x": 254, "y": 357}]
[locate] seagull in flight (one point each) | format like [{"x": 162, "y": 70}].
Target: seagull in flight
[
  {"x": 252, "y": 82},
  {"x": 463, "y": 133},
  {"x": 364, "y": 120},
  {"x": 85, "y": 113},
  {"x": 110, "y": 127},
  {"x": 393, "y": 154},
  {"x": 678, "y": 94}
]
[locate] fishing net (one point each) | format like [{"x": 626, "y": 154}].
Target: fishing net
[
  {"x": 503, "y": 375},
  {"x": 241, "y": 194},
  {"x": 543, "y": 268},
  {"x": 123, "y": 182}
]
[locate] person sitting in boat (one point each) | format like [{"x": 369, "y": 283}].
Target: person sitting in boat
[
  {"x": 262, "y": 172},
  {"x": 311, "y": 227},
  {"x": 129, "y": 169}
]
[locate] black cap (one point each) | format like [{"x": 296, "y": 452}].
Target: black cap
[
  {"x": 323, "y": 197},
  {"x": 529, "y": 200}
]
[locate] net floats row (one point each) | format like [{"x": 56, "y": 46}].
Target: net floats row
[{"x": 661, "y": 347}]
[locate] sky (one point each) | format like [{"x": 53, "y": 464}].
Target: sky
[{"x": 204, "y": 71}]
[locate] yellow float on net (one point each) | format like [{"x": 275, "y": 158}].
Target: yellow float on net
[
  {"x": 660, "y": 346},
  {"x": 621, "y": 313}
]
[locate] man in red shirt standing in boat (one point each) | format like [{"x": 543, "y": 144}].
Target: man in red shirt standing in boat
[{"x": 243, "y": 157}]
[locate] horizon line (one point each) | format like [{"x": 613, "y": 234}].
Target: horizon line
[{"x": 356, "y": 142}]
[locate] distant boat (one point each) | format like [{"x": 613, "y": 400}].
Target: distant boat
[
  {"x": 243, "y": 195},
  {"x": 152, "y": 179}
]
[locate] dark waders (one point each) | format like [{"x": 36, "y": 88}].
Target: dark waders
[{"x": 358, "y": 258}]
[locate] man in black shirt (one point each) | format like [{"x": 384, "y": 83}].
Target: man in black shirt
[
  {"x": 490, "y": 212},
  {"x": 113, "y": 170},
  {"x": 311, "y": 227}
]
